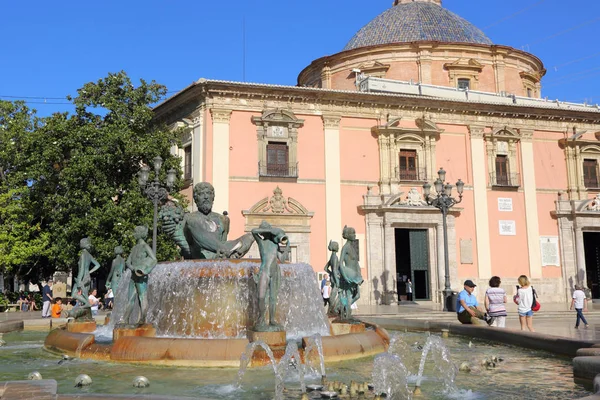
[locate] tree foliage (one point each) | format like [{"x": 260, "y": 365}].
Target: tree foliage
[{"x": 75, "y": 175}]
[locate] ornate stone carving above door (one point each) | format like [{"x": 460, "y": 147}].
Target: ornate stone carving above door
[{"x": 287, "y": 214}]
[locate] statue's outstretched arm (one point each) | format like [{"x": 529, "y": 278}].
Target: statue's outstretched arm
[{"x": 149, "y": 252}]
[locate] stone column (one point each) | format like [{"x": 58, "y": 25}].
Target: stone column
[
  {"x": 580, "y": 273},
  {"x": 198, "y": 149},
  {"x": 220, "y": 158},
  {"x": 333, "y": 192},
  {"x": 482, "y": 226},
  {"x": 531, "y": 210},
  {"x": 384, "y": 164},
  {"x": 389, "y": 262}
]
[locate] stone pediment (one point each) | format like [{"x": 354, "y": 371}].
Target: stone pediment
[
  {"x": 374, "y": 67},
  {"x": 504, "y": 132},
  {"x": 464, "y": 64},
  {"x": 278, "y": 116},
  {"x": 286, "y": 213}
]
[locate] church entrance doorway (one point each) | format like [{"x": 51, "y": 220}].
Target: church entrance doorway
[
  {"x": 591, "y": 244},
  {"x": 412, "y": 262}
]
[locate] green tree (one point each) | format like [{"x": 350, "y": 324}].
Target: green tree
[
  {"x": 80, "y": 170},
  {"x": 24, "y": 246}
]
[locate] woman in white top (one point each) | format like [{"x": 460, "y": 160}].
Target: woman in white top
[
  {"x": 524, "y": 300},
  {"x": 326, "y": 292}
]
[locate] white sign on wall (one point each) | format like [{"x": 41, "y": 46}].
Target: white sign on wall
[
  {"x": 505, "y": 204},
  {"x": 507, "y": 228},
  {"x": 549, "y": 250}
]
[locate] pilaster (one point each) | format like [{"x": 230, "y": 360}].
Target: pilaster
[
  {"x": 482, "y": 228},
  {"x": 531, "y": 210},
  {"x": 220, "y": 167},
  {"x": 333, "y": 193}
]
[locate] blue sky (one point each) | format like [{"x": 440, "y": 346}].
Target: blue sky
[{"x": 51, "y": 48}]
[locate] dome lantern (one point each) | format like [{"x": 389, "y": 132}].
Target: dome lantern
[{"x": 438, "y": 2}]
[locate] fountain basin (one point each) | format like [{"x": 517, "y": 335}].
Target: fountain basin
[{"x": 206, "y": 352}]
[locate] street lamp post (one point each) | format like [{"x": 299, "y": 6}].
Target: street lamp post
[
  {"x": 155, "y": 191},
  {"x": 443, "y": 200}
]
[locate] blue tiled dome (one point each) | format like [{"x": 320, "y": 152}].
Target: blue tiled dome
[{"x": 417, "y": 21}]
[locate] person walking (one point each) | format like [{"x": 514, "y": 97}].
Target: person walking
[
  {"x": 495, "y": 300},
  {"x": 524, "y": 300},
  {"x": 47, "y": 299},
  {"x": 409, "y": 290},
  {"x": 580, "y": 303},
  {"x": 324, "y": 281},
  {"x": 326, "y": 292}
]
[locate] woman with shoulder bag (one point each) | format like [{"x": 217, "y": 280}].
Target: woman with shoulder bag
[
  {"x": 524, "y": 299},
  {"x": 495, "y": 300}
]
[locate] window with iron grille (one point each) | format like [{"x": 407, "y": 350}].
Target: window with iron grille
[
  {"x": 502, "y": 176},
  {"x": 590, "y": 173},
  {"x": 277, "y": 159},
  {"x": 187, "y": 162},
  {"x": 408, "y": 165}
]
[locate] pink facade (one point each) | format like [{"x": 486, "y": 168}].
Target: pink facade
[{"x": 341, "y": 155}]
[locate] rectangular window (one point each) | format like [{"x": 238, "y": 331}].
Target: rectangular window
[
  {"x": 463, "y": 84},
  {"x": 187, "y": 162},
  {"x": 529, "y": 92},
  {"x": 407, "y": 170},
  {"x": 502, "y": 177},
  {"x": 590, "y": 173},
  {"x": 277, "y": 159}
]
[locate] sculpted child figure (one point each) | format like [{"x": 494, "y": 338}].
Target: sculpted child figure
[
  {"x": 141, "y": 261},
  {"x": 83, "y": 281},
  {"x": 333, "y": 269},
  {"x": 269, "y": 276},
  {"x": 350, "y": 276},
  {"x": 116, "y": 270}
]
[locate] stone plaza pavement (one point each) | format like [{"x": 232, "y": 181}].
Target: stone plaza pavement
[{"x": 553, "y": 319}]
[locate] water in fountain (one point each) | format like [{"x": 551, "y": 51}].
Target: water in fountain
[
  {"x": 390, "y": 376},
  {"x": 443, "y": 363},
  {"x": 218, "y": 299},
  {"x": 407, "y": 354},
  {"x": 315, "y": 342},
  {"x": 290, "y": 359}
]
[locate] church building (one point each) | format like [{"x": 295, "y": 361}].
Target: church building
[{"x": 417, "y": 89}]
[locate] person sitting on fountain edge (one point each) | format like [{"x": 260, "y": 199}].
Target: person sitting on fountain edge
[
  {"x": 467, "y": 307},
  {"x": 203, "y": 234}
]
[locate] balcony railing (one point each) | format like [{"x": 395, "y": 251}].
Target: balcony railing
[
  {"x": 505, "y": 180},
  {"x": 415, "y": 175},
  {"x": 278, "y": 170}
]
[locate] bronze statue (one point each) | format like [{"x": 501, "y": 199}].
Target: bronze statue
[
  {"x": 141, "y": 261},
  {"x": 203, "y": 234},
  {"x": 350, "y": 276},
  {"x": 333, "y": 269},
  {"x": 83, "y": 282},
  {"x": 116, "y": 270},
  {"x": 269, "y": 276}
]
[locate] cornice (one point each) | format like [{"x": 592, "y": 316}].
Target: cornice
[{"x": 313, "y": 101}]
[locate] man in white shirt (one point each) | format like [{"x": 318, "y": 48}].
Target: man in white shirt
[
  {"x": 94, "y": 302},
  {"x": 580, "y": 303}
]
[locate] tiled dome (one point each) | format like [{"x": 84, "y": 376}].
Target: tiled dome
[{"x": 417, "y": 21}]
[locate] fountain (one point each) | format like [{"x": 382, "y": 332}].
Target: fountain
[{"x": 205, "y": 312}]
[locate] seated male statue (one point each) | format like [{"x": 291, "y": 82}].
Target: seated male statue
[{"x": 203, "y": 234}]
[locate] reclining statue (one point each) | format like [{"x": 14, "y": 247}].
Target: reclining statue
[{"x": 203, "y": 234}]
